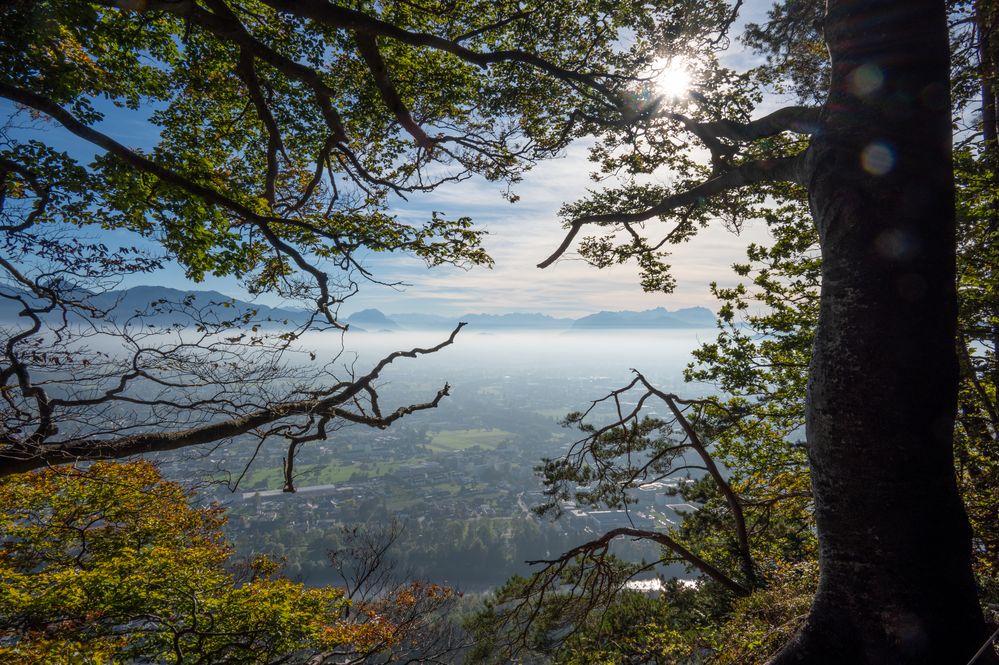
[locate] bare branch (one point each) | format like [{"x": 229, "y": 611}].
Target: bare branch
[
  {"x": 18, "y": 459},
  {"x": 734, "y": 503},
  {"x": 657, "y": 537},
  {"x": 293, "y": 444}
]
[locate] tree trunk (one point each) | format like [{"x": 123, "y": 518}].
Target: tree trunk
[{"x": 896, "y": 583}]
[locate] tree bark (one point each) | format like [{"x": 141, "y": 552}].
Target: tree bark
[{"x": 895, "y": 556}]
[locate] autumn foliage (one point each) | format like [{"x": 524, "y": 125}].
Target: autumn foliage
[{"x": 112, "y": 563}]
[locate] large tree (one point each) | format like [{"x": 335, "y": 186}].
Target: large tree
[
  {"x": 896, "y": 582},
  {"x": 883, "y": 379}
]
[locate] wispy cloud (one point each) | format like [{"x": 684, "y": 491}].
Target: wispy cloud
[{"x": 522, "y": 234}]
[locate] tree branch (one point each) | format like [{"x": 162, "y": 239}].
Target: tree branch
[
  {"x": 359, "y": 22},
  {"x": 734, "y": 503},
  {"x": 248, "y": 73},
  {"x": 71, "y": 123},
  {"x": 15, "y": 459},
  {"x": 750, "y": 173},
  {"x": 797, "y": 119},
  {"x": 43, "y": 191},
  {"x": 91, "y": 135},
  {"x": 661, "y": 538},
  {"x": 496, "y": 25},
  {"x": 224, "y": 24},
  {"x": 368, "y": 48}
]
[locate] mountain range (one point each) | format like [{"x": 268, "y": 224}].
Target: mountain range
[{"x": 156, "y": 305}]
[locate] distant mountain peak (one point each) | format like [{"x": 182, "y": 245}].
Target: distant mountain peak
[
  {"x": 370, "y": 318},
  {"x": 659, "y": 317},
  {"x": 127, "y": 303}
]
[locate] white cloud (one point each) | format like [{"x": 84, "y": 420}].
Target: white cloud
[{"x": 523, "y": 234}]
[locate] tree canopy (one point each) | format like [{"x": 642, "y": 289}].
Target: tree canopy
[
  {"x": 761, "y": 362},
  {"x": 114, "y": 564}
]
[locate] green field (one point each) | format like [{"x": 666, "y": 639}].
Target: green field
[
  {"x": 459, "y": 439},
  {"x": 336, "y": 472},
  {"x": 553, "y": 413},
  {"x": 329, "y": 474}
]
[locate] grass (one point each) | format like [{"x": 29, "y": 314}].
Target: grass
[
  {"x": 460, "y": 439},
  {"x": 553, "y": 413},
  {"x": 329, "y": 474},
  {"x": 336, "y": 472}
]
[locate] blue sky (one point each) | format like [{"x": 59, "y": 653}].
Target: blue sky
[{"x": 520, "y": 235}]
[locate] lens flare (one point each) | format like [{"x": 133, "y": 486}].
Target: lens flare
[
  {"x": 877, "y": 158},
  {"x": 671, "y": 77}
]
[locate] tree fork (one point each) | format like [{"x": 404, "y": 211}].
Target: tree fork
[{"x": 895, "y": 557}]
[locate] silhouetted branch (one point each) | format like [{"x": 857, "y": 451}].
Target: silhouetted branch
[
  {"x": 751, "y": 173},
  {"x": 368, "y": 48},
  {"x": 359, "y": 22},
  {"x": 600, "y": 544},
  {"x": 796, "y": 119},
  {"x": 17, "y": 456},
  {"x": 734, "y": 503}
]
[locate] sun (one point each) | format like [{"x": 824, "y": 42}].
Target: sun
[{"x": 671, "y": 77}]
